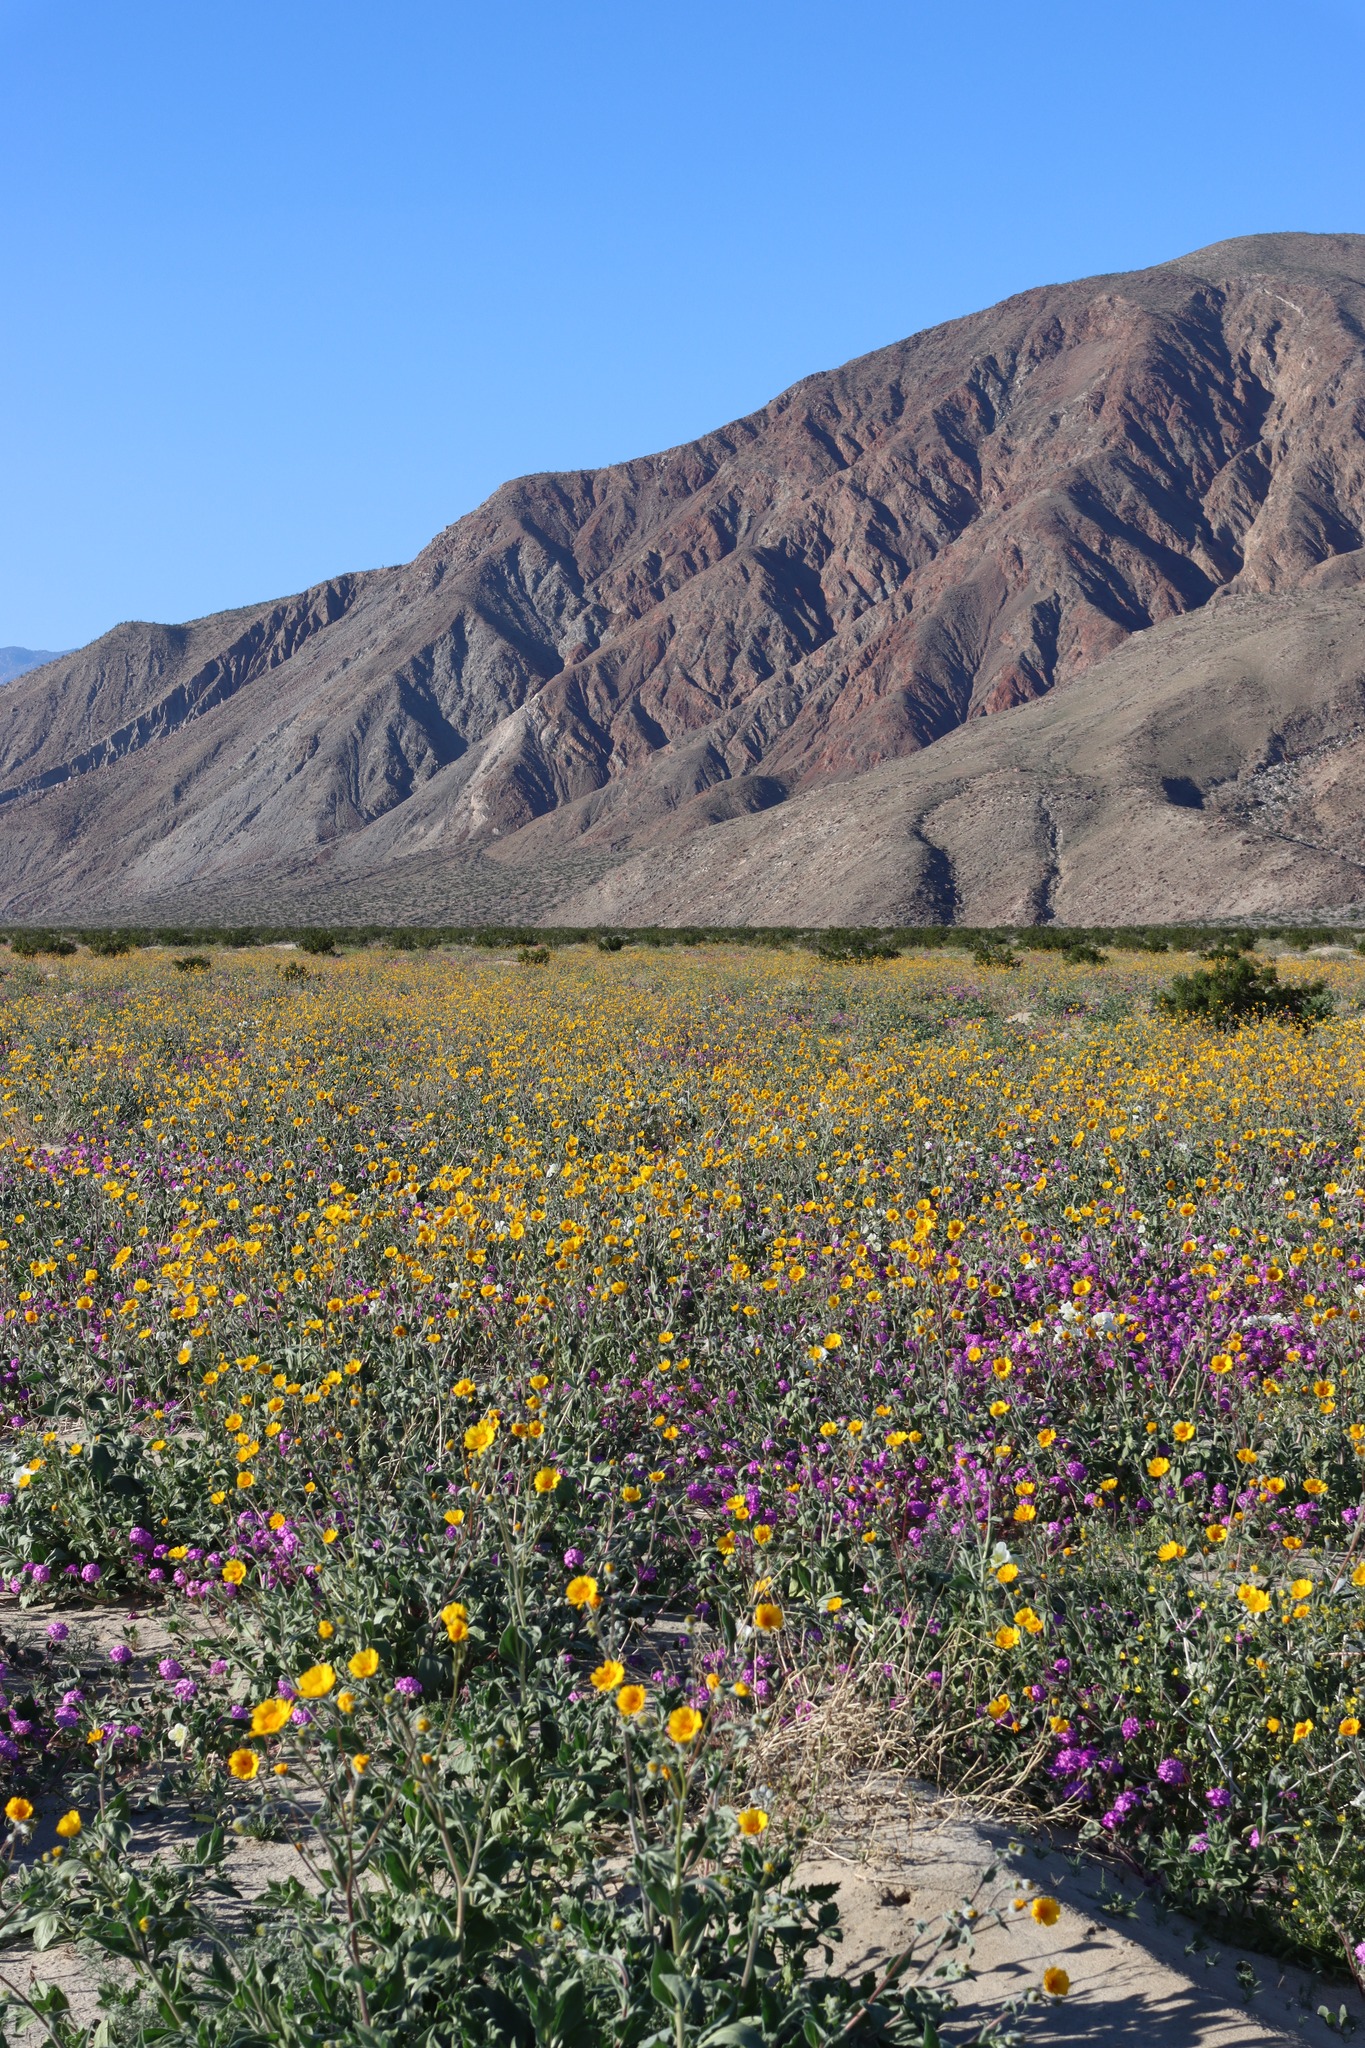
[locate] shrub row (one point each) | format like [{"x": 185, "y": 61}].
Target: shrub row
[{"x": 1079, "y": 943}]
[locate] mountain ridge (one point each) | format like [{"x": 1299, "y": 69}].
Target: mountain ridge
[
  {"x": 595, "y": 663},
  {"x": 17, "y": 661}
]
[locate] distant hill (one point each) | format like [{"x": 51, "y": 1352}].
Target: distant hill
[
  {"x": 1055, "y": 611},
  {"x": 17, "y": 661}
]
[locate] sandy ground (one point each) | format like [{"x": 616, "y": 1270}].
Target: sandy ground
[{"x": 1139, "y": 1979}]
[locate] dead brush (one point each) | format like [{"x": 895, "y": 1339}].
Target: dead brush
[{"x": 852, "y": 1736}]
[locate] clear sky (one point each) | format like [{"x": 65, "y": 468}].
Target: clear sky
[{"x": 287, "y": 285}]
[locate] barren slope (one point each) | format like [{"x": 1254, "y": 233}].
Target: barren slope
[
  {"x": 1211, "y": 768},
  {"x": 887, "y": 554}
]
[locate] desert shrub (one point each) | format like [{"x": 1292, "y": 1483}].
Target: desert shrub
[
  {"x": 1234, "y": 990},
  {"x": 1298, "y": 938},
  {"x": 610, "y": 942},
  {"x": 29, "y": 944},
  {"x": 322, "y": 943},
  {"x": 992, "y": 952},
  {"x": 294, "y": 970},
  {"x": 1228, "y": 945},
  {"x": 856, "y": 947},
  {"x": 533, "y": 956},
  {"x": 1080, "y": 953},
  {"x": 107, "y": 945},
  {"x": 192, "y": 963}
]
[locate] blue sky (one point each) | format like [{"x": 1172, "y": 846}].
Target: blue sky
[{"x": 287, "y": 286}]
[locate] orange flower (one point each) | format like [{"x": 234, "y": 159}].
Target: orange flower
[
  {"x": 582, "y": 1592},
  {"x": 630, "y": 1701},
  {"x": 608, "y": 1675},
  {"x": 244, "y": 1764},
  {"x": 768, "y": 1615},
  {"x": 751, "y": 1820},
  {"x": 684, "y": 1724}
]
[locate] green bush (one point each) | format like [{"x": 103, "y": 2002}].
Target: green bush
[
  {"x": 989, "y": 952},
  {"x": 319, "y": 942},
  {"x": 610, "y": 942},
  {"x": 533, "y": 956},
  {"x": 192, "y": 963},
  {"x": 856, "y": 947},
  {"x": 1234, "y": 990},
  {"x": 1080, "y": 953}
]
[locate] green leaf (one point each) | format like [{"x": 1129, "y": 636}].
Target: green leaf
[
  {"x": 664, "y": 1981},
  {"x": 49, "y": 1997},
  {"x": 47, "y": 1928}
]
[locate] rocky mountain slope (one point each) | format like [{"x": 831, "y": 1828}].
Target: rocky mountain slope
[{"x": 758, "y": 676}]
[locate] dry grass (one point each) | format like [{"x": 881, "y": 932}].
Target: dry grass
[{"x": 830, "y": 1764}]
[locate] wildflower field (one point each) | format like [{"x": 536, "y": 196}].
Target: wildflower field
[{"x": 569, "y": 1413}]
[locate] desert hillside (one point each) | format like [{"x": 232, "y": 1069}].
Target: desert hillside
[{"x": 761, "y": 676}]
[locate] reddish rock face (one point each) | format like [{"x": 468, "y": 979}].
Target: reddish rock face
[{"x": 944, "y": 530}]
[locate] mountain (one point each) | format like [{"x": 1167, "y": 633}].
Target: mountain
[
  {"x": 17, "y": 661},
  {"x": 1053, "y": 611}
]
